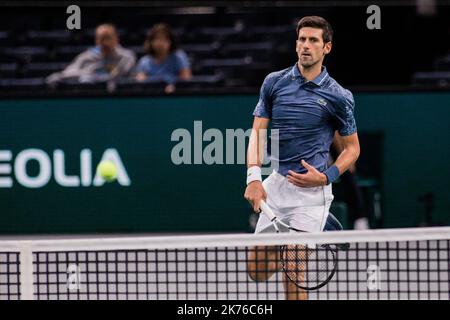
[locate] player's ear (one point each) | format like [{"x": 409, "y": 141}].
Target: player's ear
[{"x": 327, "y": 47}]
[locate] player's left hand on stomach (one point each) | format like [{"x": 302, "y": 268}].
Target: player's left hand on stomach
[{"x": 312, "y": 178}]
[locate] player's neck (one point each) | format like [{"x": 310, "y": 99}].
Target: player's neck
[{"x": 310, "y": 73}]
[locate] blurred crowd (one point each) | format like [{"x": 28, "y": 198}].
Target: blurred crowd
[{"x": 108, "y": 61}]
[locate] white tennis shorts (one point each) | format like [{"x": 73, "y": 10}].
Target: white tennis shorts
[{"x": 302, "y": 208}]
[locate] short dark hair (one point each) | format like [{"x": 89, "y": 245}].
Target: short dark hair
[
  {"x": 156, "y": 30},
  {"x": 319, "y": 23},
  {"x": 108, "y": 26}
]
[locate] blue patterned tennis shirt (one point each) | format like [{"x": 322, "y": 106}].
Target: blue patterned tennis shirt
[{"x": 306, "y": 114}]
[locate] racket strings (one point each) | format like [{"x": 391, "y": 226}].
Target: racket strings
[{"x": 308, "y": 267}]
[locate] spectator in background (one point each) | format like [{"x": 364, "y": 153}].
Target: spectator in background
[
  {"x": 108, "y": 60},
  {"x": 163, "y": 60}
]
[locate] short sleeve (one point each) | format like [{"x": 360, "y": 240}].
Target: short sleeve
[
  {"x": 142, "y": 65},
  {"x": 263, "y": 108},
  {"x": 182, "y": 60},
  {"x": 345, "y": 114}
]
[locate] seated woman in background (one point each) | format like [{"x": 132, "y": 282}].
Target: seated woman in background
[{"x": 163, "y": 60}]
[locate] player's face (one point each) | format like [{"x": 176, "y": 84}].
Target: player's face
[
  {"x": 310, "y": 47},
  {"x": 106, "y": 39},
  {"x": 161, "y": 45}
]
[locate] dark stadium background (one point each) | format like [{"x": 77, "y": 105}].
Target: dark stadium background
[{"x": 400, "y": 76}]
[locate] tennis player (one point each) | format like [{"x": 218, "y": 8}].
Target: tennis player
[{"x": 307, "y": 107}]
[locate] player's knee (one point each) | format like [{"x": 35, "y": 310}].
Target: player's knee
[
  {"x": 257, "y": 275},
  {"x": 258, "y": 272}
]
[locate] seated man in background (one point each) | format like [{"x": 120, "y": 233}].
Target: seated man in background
[
  {"x": 108, "y": 60},
  {"x": 163, "y": 60}
]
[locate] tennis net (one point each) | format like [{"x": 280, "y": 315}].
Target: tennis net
[{"x": 378, "y": 264}]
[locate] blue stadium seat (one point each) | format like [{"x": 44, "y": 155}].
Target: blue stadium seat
[
  {"x": 202, "y": 50},
  {"x": 131, "y": 85},
  {"x": 68, "y": 53},
  {"x": 22, "y": 84},
  {"x": 8, "y": 70},
  {"x": 443, "y": 63},
  {"x": 202, "y": 81},
  {"x": 257, "y": 50},
  {"x": 25, "y": 53},
  {"x": 53, "y": 37},
  {"x": 272, "y": 30},
  {"x": 230, "y": 67},
  {"x": 436, "y": 78},
  {"x": 6, "y": 38},
  {"x": 75, "y": 86},
  {"x": 43, "y": 69},
  {"x": 226, "y": 63}
]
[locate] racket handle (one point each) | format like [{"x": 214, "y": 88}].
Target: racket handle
[{"x": 267, "y": 211}]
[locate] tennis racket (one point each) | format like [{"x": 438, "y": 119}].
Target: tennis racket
[{"x": 309, "y": 267}]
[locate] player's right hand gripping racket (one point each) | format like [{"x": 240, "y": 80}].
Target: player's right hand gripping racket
[{"x": 309, "y": 267}]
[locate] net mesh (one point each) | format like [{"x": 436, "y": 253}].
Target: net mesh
[
  {"x": 413, "y": 265},
  {"x": 9, "y": 276}
]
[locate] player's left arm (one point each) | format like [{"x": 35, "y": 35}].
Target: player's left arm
[
  {"x": 314, "y": 178},
  {"x": 346, "y": 138},
  {"x": 338, "y": 146},
  {"x": 349, "y": 151}
]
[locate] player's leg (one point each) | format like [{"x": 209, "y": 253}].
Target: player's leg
[
  {"x": 309, "y": 219},
  {"x": 294, "y": 257},
  {"x": 262, "y": 262},
  {"x": 309, "y": 216},
  {"x": 293, "y": 292}
]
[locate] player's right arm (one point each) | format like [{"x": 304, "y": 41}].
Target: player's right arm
[{"x": 254, "y": 192}]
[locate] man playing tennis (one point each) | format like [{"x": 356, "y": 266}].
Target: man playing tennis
[{"x": 307, "y": 107}]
